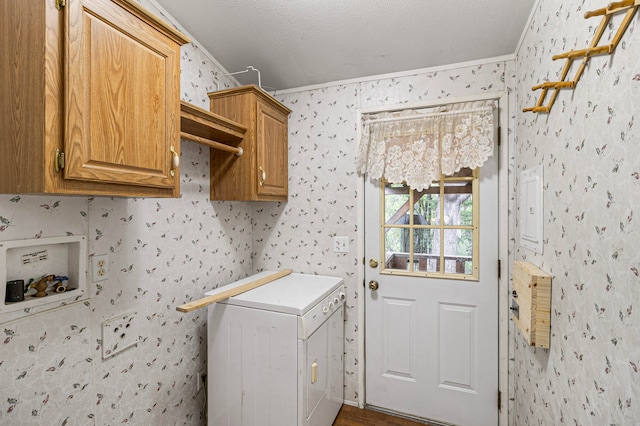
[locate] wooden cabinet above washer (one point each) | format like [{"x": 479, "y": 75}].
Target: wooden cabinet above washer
[
  {"x": 261, "y": 173},
  {"x": 91, "y": 99}
]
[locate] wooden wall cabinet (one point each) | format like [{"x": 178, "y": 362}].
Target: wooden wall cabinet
[
  {"x": 531, "y": 303},
  {"x": 261, "y": 173},
  {"x": 96, "y": 80}
]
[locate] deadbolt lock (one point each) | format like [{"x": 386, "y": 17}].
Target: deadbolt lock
[
  {"x": 373, "y": 263},
  {"x": 373, "y": 285}
]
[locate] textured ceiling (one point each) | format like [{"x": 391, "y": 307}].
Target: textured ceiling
[{"x": 297, "y": 43}]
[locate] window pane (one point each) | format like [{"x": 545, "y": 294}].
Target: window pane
[
  {"x": 427, "y": 206},
  {"x": 458, "y": 204},
  {"x": 458, "y": 251},
  {"x": 396, "y": 203},
  {"x": 420, "y": 223},
  {"x": 426, "y": 243},
  {"x": 396, "y": 248},
  {"x": 466, "y": 172}
]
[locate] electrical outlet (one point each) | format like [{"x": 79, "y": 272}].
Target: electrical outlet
[
  {"x": 119, "y": 333},
  {"x": 341, "y": 244},
  {"x": 99, "y": 267}
]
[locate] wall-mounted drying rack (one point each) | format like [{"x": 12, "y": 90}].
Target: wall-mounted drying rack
[
  {"x": 630, "y": 6},
  {"x": 212, "y": 130}
]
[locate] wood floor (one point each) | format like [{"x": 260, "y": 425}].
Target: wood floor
[{"x": 353, "y": 416}]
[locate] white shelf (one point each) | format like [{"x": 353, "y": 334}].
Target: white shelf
[{"x": 35, "y": 258}]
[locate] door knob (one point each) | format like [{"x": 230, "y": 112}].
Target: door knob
[
  {"x": 373, "y": 263},
  {"x": 373, "y": 285}
]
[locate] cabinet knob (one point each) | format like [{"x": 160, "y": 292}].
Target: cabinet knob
[
  {"x": 263, "y": 176},
  {"x": 175, "y": 163}
]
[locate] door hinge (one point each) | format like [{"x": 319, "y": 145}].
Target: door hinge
[
  {"x": 499, "y": 400},
  {"x": 60, "y": 4},
  {"x": 499, "y": 134},
  {"x": 499, "y": 269},
  {"x": 58, "y": 162}
]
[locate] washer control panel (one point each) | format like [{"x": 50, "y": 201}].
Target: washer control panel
[{"x": 309, "y": 322}]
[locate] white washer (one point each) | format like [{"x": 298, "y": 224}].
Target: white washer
[{"x": 275, "y": 353}]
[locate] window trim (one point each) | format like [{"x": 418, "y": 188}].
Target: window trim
[{"x": 474, "y": 227}]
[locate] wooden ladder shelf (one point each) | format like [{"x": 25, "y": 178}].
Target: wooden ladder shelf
[{"x": 629, "y": 7}]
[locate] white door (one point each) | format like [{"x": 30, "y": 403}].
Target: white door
[{"x": 432, "y": 337}]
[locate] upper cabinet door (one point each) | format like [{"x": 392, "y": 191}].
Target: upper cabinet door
[
  {"x": 122, "y": 97},
  {"x": 272, "y": 155}
]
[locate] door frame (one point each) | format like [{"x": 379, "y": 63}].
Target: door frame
[{"x": 504, "y": 189}]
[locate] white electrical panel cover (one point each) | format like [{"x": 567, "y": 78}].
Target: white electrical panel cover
[{"x": 531, "y": 209}]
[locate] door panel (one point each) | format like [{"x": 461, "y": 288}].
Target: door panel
[
  {"x": 457, "y": 362},
  {"x": 432, "y": 342},
  {"x": 272, "y": 151},
  {"x": 399, "y": 351}
]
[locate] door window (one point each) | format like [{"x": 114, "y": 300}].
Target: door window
[{"x": 434, "y": 232}]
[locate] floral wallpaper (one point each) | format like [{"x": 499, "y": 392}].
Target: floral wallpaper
[
  {"x": 588, "y": 146},
  {"x": 162, "y": 253},
  {"x": 165, "y": 252},
  {"x": 323, "y": 180}
]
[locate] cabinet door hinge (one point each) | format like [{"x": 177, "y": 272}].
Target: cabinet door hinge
[
  {"x": 58, "y": 162},
  {"x": 499, "y": 400},
  {"x": 60, "y": 4},
  {"x": 499, "y": 269}
]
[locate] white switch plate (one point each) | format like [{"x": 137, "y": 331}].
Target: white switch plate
[
  {"x": 341, "y": 244},
  {"x": 99, "y": 267},
  {"x": 119, "y": 333}
]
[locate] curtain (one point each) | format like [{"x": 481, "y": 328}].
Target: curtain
[{"x": 415, "y": 146}]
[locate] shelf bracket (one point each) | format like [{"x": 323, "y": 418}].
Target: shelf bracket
[{"x": 201, "y": 126}]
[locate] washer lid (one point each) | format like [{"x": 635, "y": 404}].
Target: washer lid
[{"x": 293, "y": 294}]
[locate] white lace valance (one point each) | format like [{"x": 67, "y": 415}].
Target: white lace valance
[{"x": 412, "y": 146}]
